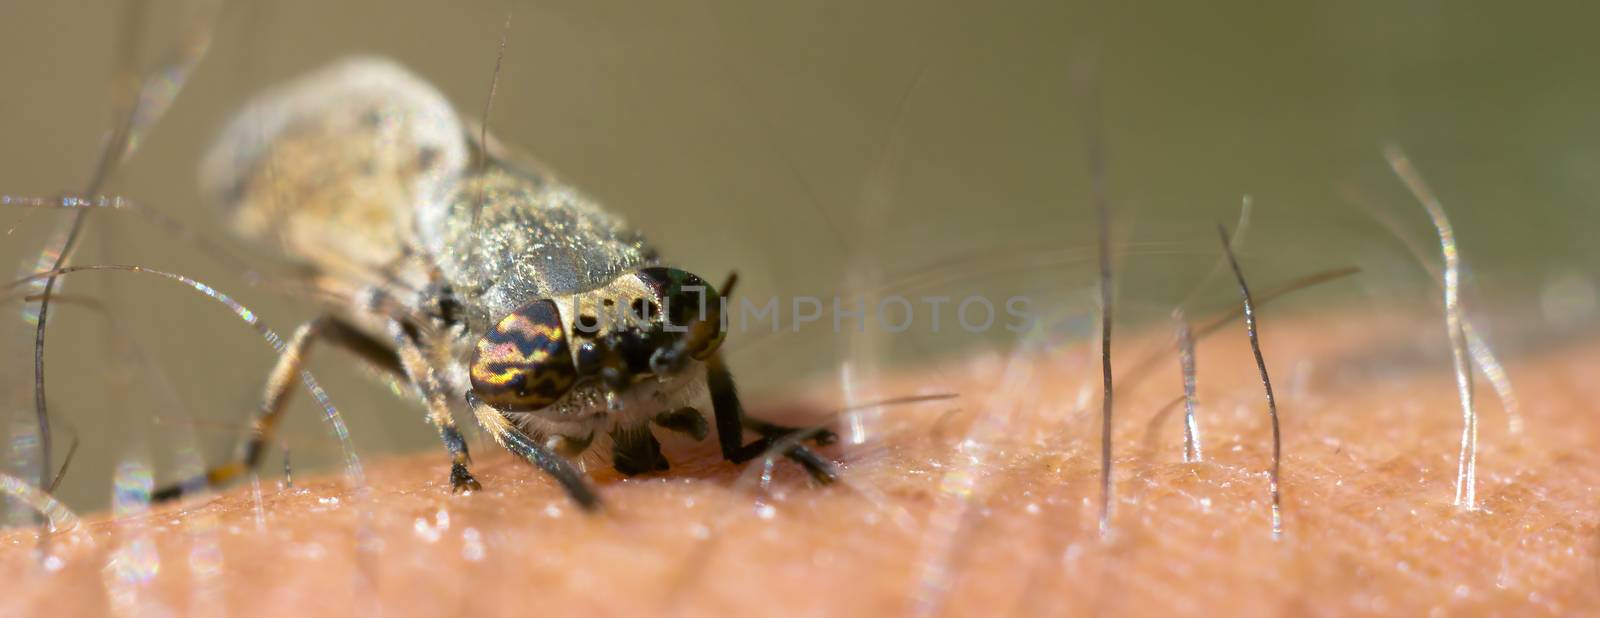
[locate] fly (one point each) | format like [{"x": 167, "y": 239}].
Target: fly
[{"x": 478, "y": 278}]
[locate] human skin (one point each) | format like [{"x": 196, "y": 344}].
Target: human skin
[{"x": 987, "y": 504}]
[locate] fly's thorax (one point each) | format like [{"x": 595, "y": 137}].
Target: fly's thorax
[
  {"x": 507, "y": 236},
  {"x": 332, "y": 166}
]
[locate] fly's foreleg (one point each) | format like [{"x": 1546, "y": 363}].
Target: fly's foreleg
[
  {"x": 821, "y": 437},
  {"x": 495, "y": 422},
  {"x": 421, "y": 374},
  {"x": 731, "y": 423}
]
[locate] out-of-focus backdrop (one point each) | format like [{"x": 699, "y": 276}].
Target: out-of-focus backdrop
[{"x": 757, "y": 137}]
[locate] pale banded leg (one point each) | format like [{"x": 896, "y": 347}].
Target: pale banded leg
[
  {"x": 421, "y": 374},
  {"x": 275, "y": 398}
]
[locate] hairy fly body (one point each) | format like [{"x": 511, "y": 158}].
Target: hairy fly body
[{"x": 478, "y": 278}]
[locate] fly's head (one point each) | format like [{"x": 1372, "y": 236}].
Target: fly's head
[{"x": 650, "y": 325}]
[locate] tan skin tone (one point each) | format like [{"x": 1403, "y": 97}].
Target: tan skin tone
[{"x": 1370, "y": 424}]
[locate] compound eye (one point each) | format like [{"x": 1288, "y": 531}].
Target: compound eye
[
  {"x": 689, "y": 302},
  {"x": 523, "y": 363}
]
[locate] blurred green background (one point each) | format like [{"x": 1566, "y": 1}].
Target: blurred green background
[{"x": 755, "y": 136}]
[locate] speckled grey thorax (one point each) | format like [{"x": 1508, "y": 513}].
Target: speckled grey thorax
[{"x": 508, "y": 237}]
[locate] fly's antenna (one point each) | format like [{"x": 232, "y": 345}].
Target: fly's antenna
[
  {"x": 1467, "y": 463},
  {"x": 488, "y": 106},
  {"x": 488, "y": 102},
  {"x": 1248, "y": 308}
]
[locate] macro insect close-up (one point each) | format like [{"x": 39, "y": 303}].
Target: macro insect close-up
[
  {"x": 498, "y": 288},
  {"x": 828, "y": 308}
]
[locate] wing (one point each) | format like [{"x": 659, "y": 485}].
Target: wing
[{"x": 333, "y": 166}]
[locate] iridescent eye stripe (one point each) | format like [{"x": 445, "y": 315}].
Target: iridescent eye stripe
[{"x": 523, "y": 363}]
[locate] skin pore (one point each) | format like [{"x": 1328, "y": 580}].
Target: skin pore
[{"x": 982, "y": 505}]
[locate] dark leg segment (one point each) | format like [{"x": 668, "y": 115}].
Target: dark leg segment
[
  {"x": 521, "y": 445},
  {"x": 634, "y": 450},
  {"x": 687, "y": 421},
  {"x": 821, "y": 437},
  {"x": 731, "y": 423}
]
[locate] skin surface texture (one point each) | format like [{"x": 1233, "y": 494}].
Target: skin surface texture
[{"x": 981, "y": 505}]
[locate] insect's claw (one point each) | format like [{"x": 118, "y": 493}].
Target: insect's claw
[
  {"x": 462, "y": 481},
  {"x": 822, "y": 471}
]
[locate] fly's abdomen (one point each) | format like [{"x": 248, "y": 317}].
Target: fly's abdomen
[
  {"x": 362, "y": 164},
  {"x": 332, "y": 167}
]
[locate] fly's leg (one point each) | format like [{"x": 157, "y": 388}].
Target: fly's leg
[
  {"x": 731, "y": 423},
  {"x": 635, "y": 450},
  {"x": 495, "y": 422},
  {"x": 275, "y": 399},
  {"x": 686, "y": 421},
  {"x": 821, "y": 437},
  {"x": 421, "y": 374}
]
